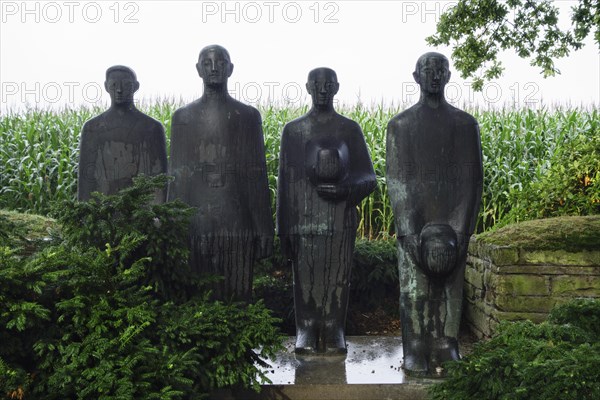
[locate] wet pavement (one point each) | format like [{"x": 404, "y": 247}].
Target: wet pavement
[
  {"x": 370, "y": 360},
  {"x": 372, "y": 370}
]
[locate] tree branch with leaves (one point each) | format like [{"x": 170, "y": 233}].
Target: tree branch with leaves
[{"x": 479, "y": 30}]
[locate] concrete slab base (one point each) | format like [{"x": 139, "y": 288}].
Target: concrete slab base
[{"x": 372, "y": 369}]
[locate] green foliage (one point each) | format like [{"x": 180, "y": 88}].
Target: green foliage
[
  {"x": 581, "y": 313},
  {"x": 22, "y": 313},
  {"x": 12, "y": 381},
  {"x": 572, "y": 234},
  {"x": 375, "y": 272},
  {"x": 519, "y": 148},
  {"x": 555, "y": 360},
  {"x": 479, "y": 30},
  {"x": 10, "y": 233},
  {"x": 38, "y": 158},
  {"x": 586, "y": 16},
  {"x": 113, "y": 312},
  {"x": 375, "y": 212},
  {"x": 26, "y": 233},
  {"x": 273, "y": 284},
  {"x": 160, "y": 229},
  {"x": 570, "y": 186}
]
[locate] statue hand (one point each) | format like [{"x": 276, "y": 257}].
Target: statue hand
[{"x": 333, "y": 192}]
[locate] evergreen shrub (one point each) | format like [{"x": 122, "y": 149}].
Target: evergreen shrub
[
  {"x": 555, "y": 360},
  {"x": 113, "y": 311}
]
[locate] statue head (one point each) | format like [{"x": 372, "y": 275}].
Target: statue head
[
  {"x": 214, "y": 65},
  {"x": 432, "y": 72},
  {"x": 121, "y": 83},
  {"x": 322, "y": 85}
]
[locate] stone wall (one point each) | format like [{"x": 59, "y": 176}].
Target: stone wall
[{"x": 511, "y": 283}]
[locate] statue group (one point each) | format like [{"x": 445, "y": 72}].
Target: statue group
[{"x": 217, "y": 160}]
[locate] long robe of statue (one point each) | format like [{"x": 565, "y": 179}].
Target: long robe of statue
[
  {"x": 324, "y": 171},
  {"x": 434, "y": 178},
  {"x": 120, "y": 143},
  {"x": 218, "y": 163}
]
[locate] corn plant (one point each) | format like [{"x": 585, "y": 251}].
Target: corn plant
[
  {"x": 39, "y": 152},
  {"x": 39, "y": 158}
]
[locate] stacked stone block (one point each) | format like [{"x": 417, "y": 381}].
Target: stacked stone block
[{"x": 511, "y": 283}]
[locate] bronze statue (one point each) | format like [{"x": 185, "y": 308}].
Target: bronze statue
[
  {"x": 324, "y": 171},
  {"x": 434, "y": 179},
  {"x": 120, "y": 143},
  {"x": 218, "y": 162}
]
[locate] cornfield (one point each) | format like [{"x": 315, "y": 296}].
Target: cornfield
[{"x": 39, "y": 153}]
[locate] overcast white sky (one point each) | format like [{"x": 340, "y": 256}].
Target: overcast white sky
[{"x": 54, "y": 53}]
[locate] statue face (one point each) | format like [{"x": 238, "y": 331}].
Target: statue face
[
  {"x": 322, "y": 87},
  {"x": 121, "y": 86},
  {"x": 433, "y": 74},
  {"x": 214, "y": 67}
]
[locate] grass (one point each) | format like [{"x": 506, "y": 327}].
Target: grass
[
  {"x": 36, "y": 226},
  {"x": 25, "y": 232},
  {"x": 38, "y": 156},
  {"x": 572, "y": 233}
]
